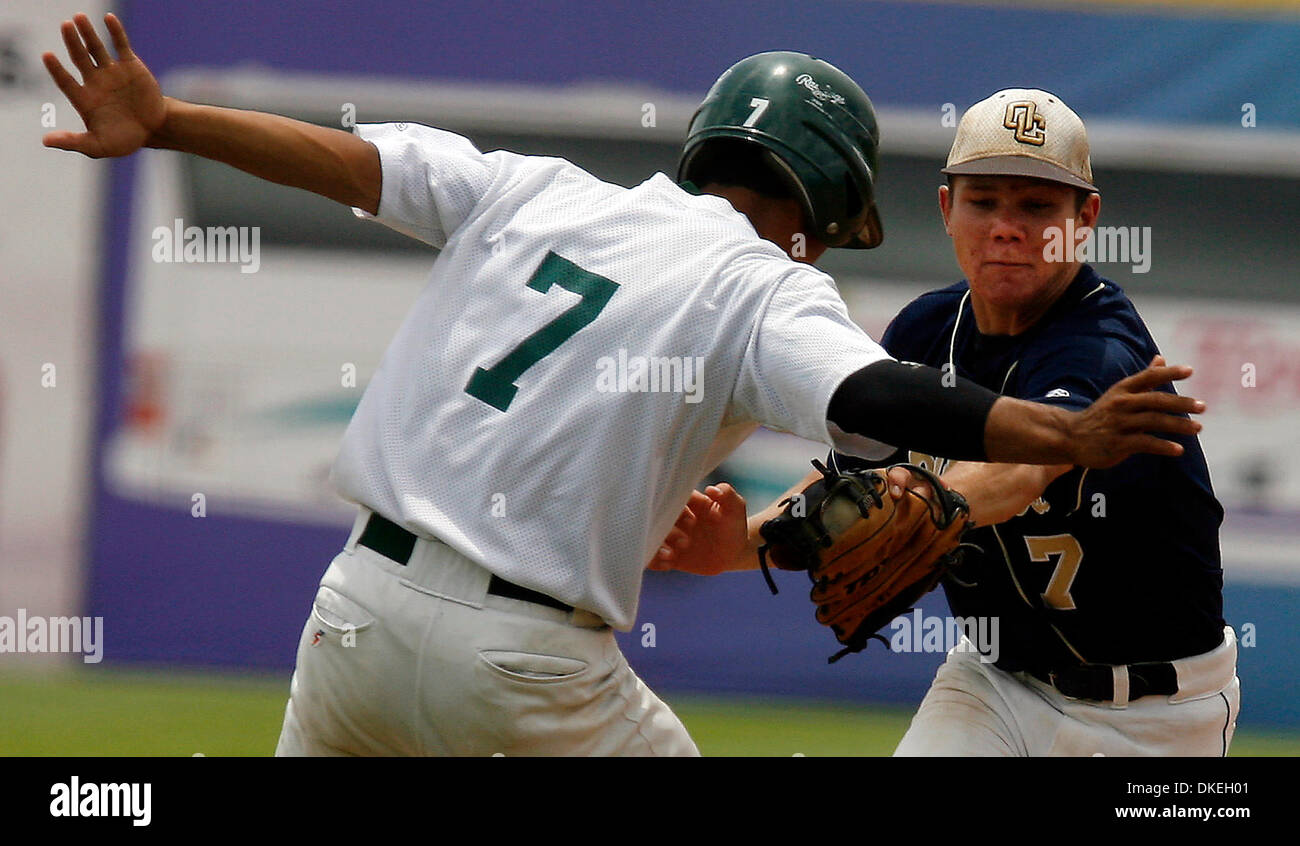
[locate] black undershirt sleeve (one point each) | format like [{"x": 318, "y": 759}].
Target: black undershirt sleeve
[{"x": 914, "y": 407}]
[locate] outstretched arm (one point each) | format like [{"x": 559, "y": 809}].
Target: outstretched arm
[
  {"x": 895, "y": 403},
  {"x": 1124, "y": 421},
  {"x": 713, "y": 536},
  {"x": 124, "y": 109}
]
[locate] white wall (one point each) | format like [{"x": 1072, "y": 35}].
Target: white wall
[{"x": 50, "y": 257}]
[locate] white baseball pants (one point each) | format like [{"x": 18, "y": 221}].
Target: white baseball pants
[
  {"x": 976, "y": 709},
  {"x": 419, "y": 659}
]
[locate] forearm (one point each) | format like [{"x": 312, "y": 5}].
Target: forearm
[
  {"x": 1022, "y": 432},
  {"x": 330, "y": 162},
  {"x": 928, "y": 409},
  {"x": 998, "y": 492},
  {"x": 934, "y": 412}
]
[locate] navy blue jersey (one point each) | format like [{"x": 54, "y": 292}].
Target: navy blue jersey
[{"x": 1109, "y": 566}]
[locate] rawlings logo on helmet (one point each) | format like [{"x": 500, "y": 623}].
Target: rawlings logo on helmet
[{"x": 808, "y": 82}]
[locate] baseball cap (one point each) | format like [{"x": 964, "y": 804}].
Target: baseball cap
[{"x": 1022, "y": 132}]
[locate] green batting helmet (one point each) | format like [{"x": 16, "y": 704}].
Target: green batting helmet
[{"x": 818, "y": 129}]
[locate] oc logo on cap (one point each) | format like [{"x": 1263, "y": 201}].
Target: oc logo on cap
[{"x": 1029, "y": 126}]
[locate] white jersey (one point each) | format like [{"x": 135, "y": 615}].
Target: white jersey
[{"x": 582, "y": 356}]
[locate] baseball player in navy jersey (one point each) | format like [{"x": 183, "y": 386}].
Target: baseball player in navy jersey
[
  {"x": 510, "y": 492},
  {"x": 1106, "y": 583}
]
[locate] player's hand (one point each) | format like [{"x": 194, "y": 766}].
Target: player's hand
[
  {"x": 118, "y": 100},
  {"x": 914, "y": 497},
  {"x": 710, "y": 535},
  {"x": 1121, "y": 422},
  {"x": 902, "y": 480}
]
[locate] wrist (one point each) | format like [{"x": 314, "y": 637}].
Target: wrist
[
  {"x": 1062, "y": 423},
  {"x": 748, "y": 559},
  {"x": 1022, "y": 432},
  {"x": 164, "y": 137}
]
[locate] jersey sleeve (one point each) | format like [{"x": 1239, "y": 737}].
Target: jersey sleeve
[
  {"x": 432, "y": 179},
  {"x": 905, "y": 339},
  {"x": 1074, "y": 372},
  {"x": 840, "y": 459},
  {"x": 802, "y": 346}
]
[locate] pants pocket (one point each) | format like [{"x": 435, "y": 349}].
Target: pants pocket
[
  {"x": 531, "y": 667},
  {"x": 340, "y": 614}
]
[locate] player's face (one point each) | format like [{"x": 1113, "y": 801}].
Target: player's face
[
  {"x": 1000, "y": 226},
  {"x": 780, "y": 221}
]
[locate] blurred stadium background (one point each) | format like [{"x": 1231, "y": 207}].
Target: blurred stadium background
[{"x": 128, "y": 387}]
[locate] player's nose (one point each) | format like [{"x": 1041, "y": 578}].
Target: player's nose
[{"x": 1007, "y": 227}]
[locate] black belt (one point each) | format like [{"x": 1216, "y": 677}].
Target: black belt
[
  {"x": 395, "y": 543},
  {"x": 1097, "y": 681}
]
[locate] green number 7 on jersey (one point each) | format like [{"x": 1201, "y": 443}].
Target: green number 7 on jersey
[{"x": 495, "y": 385}]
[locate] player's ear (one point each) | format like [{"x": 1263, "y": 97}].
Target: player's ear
[
  {"x": 945, "y": 206},
  {"x": 1090, "y": 210}
]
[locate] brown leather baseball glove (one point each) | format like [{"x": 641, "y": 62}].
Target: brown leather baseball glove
[{"x": 870, "y": 557}]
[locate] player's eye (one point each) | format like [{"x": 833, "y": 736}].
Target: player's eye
[{"x": 981, "y": 202}]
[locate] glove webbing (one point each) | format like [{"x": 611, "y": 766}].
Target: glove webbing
[{"x": 862, "y": 496}]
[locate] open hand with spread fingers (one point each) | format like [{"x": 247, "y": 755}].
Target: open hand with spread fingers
[
  {"x": 119, "y": 100},
  {"x": 1124, "y": 420}
]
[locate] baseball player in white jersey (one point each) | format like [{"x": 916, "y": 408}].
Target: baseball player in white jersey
[{"x": 581, "y": 356}]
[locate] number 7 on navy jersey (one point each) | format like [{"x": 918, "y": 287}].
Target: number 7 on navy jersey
[{"x": 495, "y": 385}]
